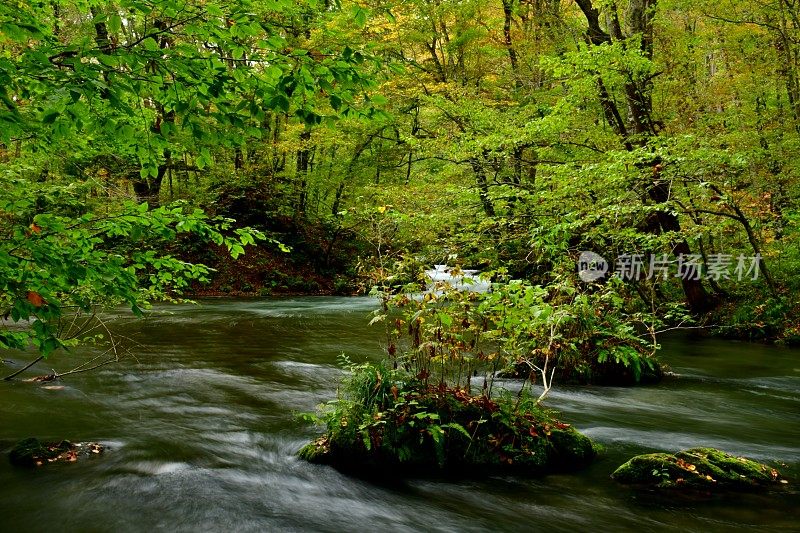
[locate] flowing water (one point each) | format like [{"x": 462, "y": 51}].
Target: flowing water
[{"x": 202, "y": 432}]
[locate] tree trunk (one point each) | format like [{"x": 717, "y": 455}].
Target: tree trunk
[
  {"x": 640, "y": 14},
  {"x": 508, "y": 13},
  {"x": 303, "y": 159},
  {"x": 483, "y": 187},
  {"x": 696, "y": 295}
]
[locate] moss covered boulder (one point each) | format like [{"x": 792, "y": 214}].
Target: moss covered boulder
[
  {"x": 448, "y": 431},
  {"x": 698, "y": 469}
]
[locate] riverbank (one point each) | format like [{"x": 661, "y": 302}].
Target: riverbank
[{"x": 265, "y": 270}]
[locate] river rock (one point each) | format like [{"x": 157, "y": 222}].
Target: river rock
[
  {"x": 33, "y": 452},
  {"x": 697, "y": 469},
  {"x": 454, "y": 433}
]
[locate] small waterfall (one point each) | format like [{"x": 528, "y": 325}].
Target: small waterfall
[{"x": 467, "y": 280}]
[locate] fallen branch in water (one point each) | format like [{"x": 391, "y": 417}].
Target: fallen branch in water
[
  {"x": 86, "y": 366},
  {"x": 23, "y": 369}
]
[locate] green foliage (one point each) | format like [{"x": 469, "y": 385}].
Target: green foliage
[
  {"x": 437, "y": 336},
  {"x": 506, "y": 139},
  {"x": 59, "y": 262},
  {"x": 103, "y": 102},
  {"x": 389, "y": 419},
  {"x": 206, "y": 68},
  {"x": 576, "y": 331}
]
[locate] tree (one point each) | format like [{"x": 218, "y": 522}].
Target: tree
[{"x": 135, "y": 89}]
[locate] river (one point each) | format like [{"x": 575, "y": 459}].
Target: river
[{"x": 202, "y": 430}]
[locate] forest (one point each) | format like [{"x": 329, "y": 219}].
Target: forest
[{"x": 523, "y": 202}]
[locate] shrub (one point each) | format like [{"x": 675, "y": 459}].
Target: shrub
[{"x": 388, "y": 419}]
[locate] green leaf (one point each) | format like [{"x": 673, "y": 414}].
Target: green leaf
[
  {"x": 236, "y": 250},
  {"x": 359, "y": 16},
  {"x": 458, "y": 427},
  {"x": 274, "y": 72},
  {"x": 114, "y": 23},
  {"x": 50, "y": 116},
  {"x": 150, "y": 44}
]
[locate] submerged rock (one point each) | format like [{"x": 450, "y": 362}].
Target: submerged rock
[
  {"x": 33, "y": 452},
  {"x": 697, "y": 469}
]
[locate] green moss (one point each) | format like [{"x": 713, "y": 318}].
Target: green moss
[
  {"x": 571, "y": 447},
  {"x": 392, "y": 423},
  {"x": 317, "y": 451},
  {"x": 730, "y": 469},
  {"x": 697, "y": 469}
]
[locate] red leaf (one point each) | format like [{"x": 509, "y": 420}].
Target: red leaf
[{"x": 35, "y": 299}]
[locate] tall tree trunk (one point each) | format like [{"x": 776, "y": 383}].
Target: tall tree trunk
[
  {"x": 101, "y": 38},
  {"x": 640, "y": 15},
  {"x": 696, "y": 295},
  {"x": 788, "y": 55},
  {"x": 508, "y": 13},
  {"x": 483, "y": 187},
  {"x": 303, "y": 160},
  {"x": 56, "y": 18},
  {"x": 440, "y": 71},
  {"x": 101, "y": 31}
]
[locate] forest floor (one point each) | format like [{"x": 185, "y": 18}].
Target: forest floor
[{"x": 265, "y": 271}]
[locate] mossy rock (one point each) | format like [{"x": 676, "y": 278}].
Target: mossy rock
[
  {"x": 32, "y": 452},
  {"x": 450, "y": 432},
  {"x": 570, "y": 447},
  {"x": 562, "y": 452},
  {"x": 698, "y": 469},
  {"x": 317, "y": 451}
]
